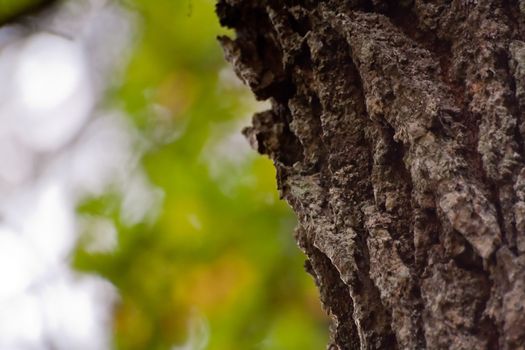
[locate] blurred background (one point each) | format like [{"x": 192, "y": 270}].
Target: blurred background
[{"x": 133, "y": 214}]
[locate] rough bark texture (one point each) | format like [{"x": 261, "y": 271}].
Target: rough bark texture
[{"x": 397, "y": 129}]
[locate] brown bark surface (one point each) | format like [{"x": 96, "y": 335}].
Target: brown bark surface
[{"x": 397, "y": 129}]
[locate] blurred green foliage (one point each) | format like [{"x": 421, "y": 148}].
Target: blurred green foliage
[{"x": 222, "y": 249}]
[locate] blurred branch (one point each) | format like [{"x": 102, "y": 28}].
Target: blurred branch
[{"x": 10, "y": 10}]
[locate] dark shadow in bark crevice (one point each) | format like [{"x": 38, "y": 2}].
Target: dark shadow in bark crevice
[{"x": 332, "y": 292}]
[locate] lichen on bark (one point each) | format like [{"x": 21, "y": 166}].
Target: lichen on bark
[{"x": 397, "y": 132}]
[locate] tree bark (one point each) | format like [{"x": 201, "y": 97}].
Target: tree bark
[{"x": 397, "y": 130}]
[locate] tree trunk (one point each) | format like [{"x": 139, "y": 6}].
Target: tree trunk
[{"x": 397, "y": 129}]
